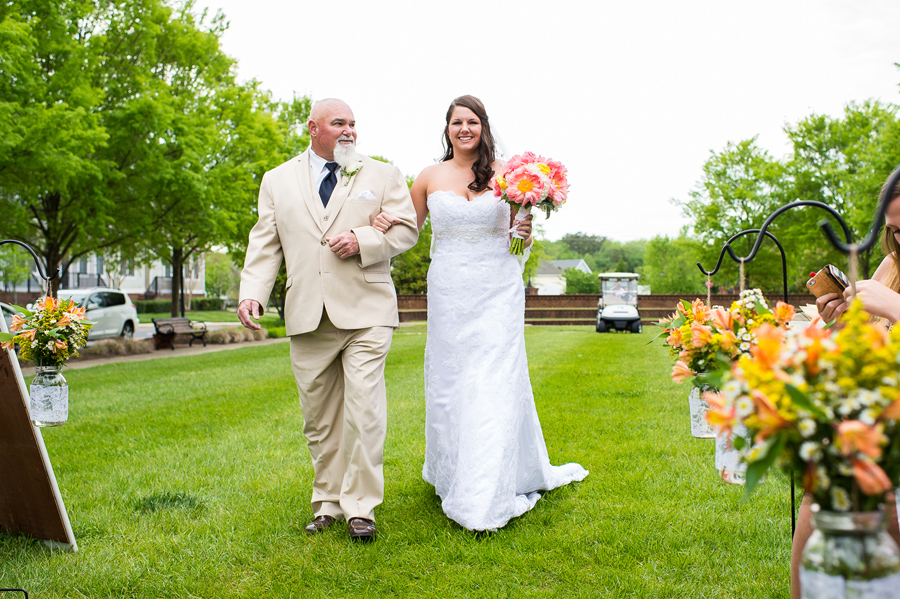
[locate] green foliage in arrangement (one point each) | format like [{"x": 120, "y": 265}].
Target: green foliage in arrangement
[{"x": 189, "y": 476}]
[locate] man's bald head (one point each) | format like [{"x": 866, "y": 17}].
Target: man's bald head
[{"x": 331, "y": 122}]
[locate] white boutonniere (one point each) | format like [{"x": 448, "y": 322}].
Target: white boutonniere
[{"x": 350, "y": 170}]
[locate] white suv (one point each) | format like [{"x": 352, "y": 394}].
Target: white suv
[{"x": 111, "y": 309}]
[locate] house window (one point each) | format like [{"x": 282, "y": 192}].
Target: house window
[
  {"x": 127, "y": 269},
  {"x": 82, "y": 265},
  {"x": 99, "y": 265}
]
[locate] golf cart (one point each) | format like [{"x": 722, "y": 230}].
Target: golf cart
[{"x": 617, "y": 307}]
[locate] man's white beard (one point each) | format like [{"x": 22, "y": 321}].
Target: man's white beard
[{"x": 345, "y": 154}]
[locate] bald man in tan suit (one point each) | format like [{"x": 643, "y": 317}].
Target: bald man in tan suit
[{"x": 315, "y": 212}]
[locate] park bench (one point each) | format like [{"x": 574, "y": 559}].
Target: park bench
[{"x": 168, "y": 328}]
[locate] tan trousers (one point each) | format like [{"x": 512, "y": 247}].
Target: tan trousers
[{"x": 340, "y": 377}]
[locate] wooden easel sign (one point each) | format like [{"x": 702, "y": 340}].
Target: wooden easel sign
[{"x": 30, "y": 502}]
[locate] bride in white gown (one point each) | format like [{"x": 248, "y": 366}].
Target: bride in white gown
[{"x": 484, "y": 449}]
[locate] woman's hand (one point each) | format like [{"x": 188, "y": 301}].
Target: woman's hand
[
  {"x": 523, "y": 228},
  {"x": 877, "y": 299},
  {"x": 384, "y": 221},
  {"x": 831, "y": 306}
]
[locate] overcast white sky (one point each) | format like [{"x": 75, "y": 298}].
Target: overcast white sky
[{"x": 632, "y": 96}]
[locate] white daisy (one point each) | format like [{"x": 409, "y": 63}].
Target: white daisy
[
  {"x": 807, "y": 427},
  {"x": 847, "y": 406},
  {"x": 810, "y": 451},
  {"x": 822, "y": 479},
  {"x": 868, "y": 416},
  {"x": 840, "y": 500},
  {"x": 744, "y": 406}
]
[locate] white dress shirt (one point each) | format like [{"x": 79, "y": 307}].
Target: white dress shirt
[{"x": 318, "y": 170}]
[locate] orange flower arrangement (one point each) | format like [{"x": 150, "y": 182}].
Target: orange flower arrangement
[
  {"x": 49, "y": 335},
  {"x": 822, "y": 402}
]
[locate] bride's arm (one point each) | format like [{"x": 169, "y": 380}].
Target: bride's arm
[{"x": 419, "y": 193}]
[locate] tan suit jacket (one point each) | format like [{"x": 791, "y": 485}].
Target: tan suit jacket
[{"x": 356, "y": 292}]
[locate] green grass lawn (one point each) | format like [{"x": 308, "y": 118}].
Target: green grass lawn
[{"x": 189, "y": 477}]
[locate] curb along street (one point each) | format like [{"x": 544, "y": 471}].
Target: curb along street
[{"x": 180, "y": 351}]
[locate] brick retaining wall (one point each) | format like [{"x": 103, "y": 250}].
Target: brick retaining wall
[{"x": 582, "y": 308}]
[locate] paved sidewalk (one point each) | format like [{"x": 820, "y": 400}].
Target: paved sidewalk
[{"x": 180, "y": 351}]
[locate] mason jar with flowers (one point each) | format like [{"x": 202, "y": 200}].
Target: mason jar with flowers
[
  {"x": 825, "y": 404},
  {"x": 48, "y": 336}
]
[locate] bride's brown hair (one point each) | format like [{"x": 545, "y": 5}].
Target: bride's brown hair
[
  {"x": 482, "y": 167},
  {"x": 889, "y": 243}
]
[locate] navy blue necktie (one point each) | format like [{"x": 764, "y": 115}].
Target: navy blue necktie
[{"x": 328, "y": 183}]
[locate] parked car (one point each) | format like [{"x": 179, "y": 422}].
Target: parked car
[{"x": 111, "y": 309}]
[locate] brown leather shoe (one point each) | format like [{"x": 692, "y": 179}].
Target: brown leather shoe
[
  {"x": 362, "y": 530},
  {"x": 320, "y": 524}
]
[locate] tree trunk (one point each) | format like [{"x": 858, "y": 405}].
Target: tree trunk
[
  {"x": 177, "y": 266},
  {"x": 53, "y": 261}
]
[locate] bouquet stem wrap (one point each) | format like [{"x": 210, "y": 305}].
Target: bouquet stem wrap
[{"x": 517, "y": 243}]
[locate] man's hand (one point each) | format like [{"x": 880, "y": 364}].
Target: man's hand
[
  {"x": 344, "y": 244},
  {"x": 250, "y": 309}
]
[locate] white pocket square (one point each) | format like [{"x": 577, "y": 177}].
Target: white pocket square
[{"x": 366, "y": 195}]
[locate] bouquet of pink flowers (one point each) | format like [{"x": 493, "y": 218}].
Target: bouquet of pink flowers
[{"x": 529, "y": 180}]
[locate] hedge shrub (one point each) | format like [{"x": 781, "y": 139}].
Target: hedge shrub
[
  {"x": 208, "y": 303},
  {"x": 153, "y": 306}
]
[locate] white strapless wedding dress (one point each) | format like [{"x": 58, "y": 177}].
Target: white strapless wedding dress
[{"x": 484, "y": 449}]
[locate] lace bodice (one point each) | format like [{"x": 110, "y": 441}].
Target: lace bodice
[{"x": 482, "y": 222}]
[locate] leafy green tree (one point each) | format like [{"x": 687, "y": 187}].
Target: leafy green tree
[
  {"x": 670, "y": 265},
  {"x": 583, "y": 244},
  {"x": 537, "y": 254},
  {"x": 15, "y": 268},
  {"x": 409, "y": 270},
  {"x": 52, "y": 173},
  {"x": 741, "y": 185},
  {"x": 578, "y": 281},
  {"x": 223, "y": 278},
  {"x": 843, "y": 163},
  {"x": 616, "y": 256}
]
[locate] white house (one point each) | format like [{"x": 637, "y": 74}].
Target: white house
[
  {"x": 549, "y": 278},
  {"x": 153, "y": 279}
]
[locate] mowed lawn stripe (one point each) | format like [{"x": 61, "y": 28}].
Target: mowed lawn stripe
[{"x": 189, "y": 477}]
